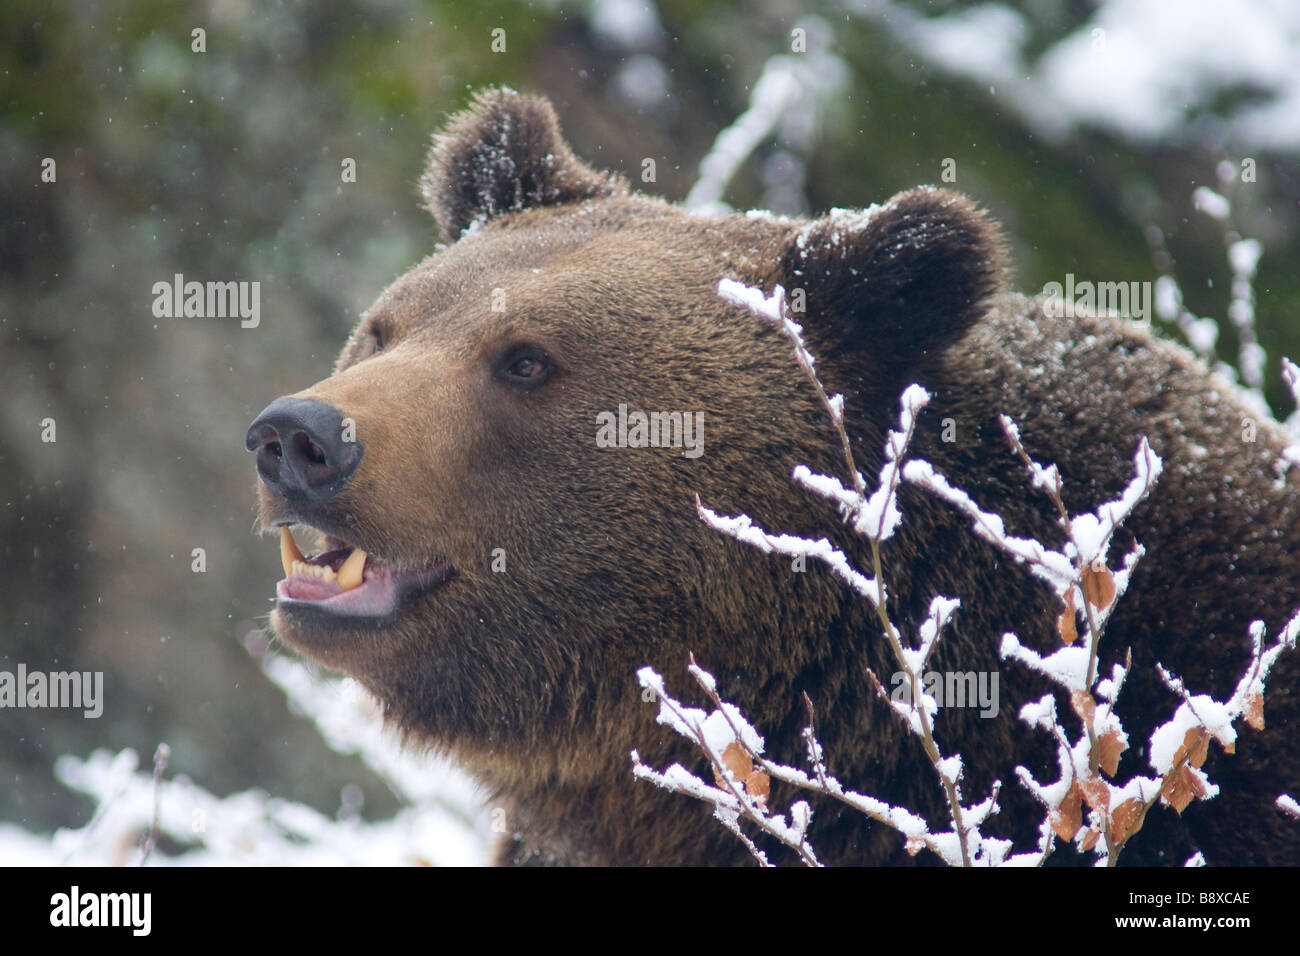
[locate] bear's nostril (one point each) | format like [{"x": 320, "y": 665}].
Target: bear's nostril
[
  {"x": 309, "y": 449},
  {"x": 301, "y": 452}
]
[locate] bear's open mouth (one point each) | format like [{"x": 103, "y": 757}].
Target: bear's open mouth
[{"x": 347, "y": 581}]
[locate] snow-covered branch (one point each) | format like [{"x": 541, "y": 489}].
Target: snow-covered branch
[
  {"x": 1078, "y": 573},
  {"x": 741, "y": 771}
]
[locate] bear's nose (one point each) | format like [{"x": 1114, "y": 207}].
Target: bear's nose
[{"x": 302, "y": 450}]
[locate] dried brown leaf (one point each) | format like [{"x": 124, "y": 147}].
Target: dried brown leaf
[
  {"x": 1083, "y": 705},
  {"x": 1127, "y": 819},
  {"x": 1195, "y": 745},
  {"x": 1066, "y": 625},
  {"x": 1096, "y": 792},
  {"x": 737, "y": 761},
  {"x": 1068, "y": 817},
  {"x": 1255, "y": 711},
  {"x": 1197, "y": 742},
  {"x": 1180, "y": 788},
  {"x": 1098, "y": 584},
  {"x": 1109, "y": 747}
]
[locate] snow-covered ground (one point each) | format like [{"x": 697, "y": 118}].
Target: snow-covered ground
[{"x": 442, "y": 822}]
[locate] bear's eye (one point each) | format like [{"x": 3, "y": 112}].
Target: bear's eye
[
  {"x": 525, "y": 367},
  {"x": 377, "y": 337}
]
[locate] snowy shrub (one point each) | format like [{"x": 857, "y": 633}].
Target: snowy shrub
[
  {"x": 441, "y": 822},
  {"x": 1086, "y": 804}
]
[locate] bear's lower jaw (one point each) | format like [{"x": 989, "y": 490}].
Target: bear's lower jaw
[
  {"x": 345, "y": 582},
  {"x": 329, "y": 604},
  {"x": 335, "y": 629},
  {"x": 377, "y": 598}
]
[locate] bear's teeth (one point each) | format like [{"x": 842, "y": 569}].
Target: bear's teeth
[
  {"x": 351, "y": 571},
  {"x": 289, "y": 553},
  {"x": 301, "y": 568},
  {"x": 349, "y": 575}
]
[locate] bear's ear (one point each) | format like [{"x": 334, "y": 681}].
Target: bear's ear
[
  {"x": 504, "y": 154},
  {"x": 900, "y": 280}
]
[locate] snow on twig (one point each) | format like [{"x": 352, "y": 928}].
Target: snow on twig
[
  {"x": 1081, "y": 805},
  {"x": 1288, "y": 805},
  {"x": 724, "y": 727}
]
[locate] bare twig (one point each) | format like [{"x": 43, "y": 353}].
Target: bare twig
[{"x": 160, "y": 758}]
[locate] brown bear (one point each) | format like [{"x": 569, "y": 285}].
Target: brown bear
[{"x": 496, "y": 575}]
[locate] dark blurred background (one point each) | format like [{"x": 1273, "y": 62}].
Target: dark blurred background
[{"x": 225, "y": 165}]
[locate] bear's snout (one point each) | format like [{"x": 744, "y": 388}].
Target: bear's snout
[{"x": 304, "y": 451}]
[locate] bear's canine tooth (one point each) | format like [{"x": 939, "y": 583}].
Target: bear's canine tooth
[
  {"x": 289, "y": 552},
  {"x": 350, "y": 573}
]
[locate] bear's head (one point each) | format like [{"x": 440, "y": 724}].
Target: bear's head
[{"x": 503, "y": 467}]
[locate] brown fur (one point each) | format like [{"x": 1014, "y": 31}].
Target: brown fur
[{"x": 528, "y": 676}]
